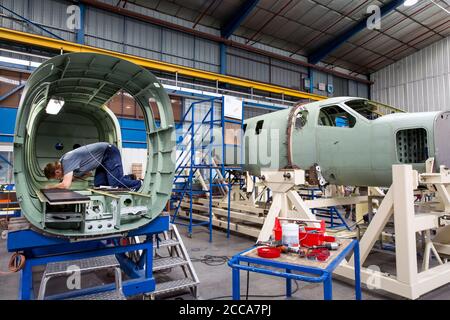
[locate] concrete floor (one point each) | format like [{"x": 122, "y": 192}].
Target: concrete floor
[{"x": 215, "y": 281}]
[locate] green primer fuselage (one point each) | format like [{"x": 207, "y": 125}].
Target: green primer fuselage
[
  {"x": 86, "y": 81},
  {"x": 360, "y": 155}
]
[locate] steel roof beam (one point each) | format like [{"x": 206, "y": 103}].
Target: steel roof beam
[
  {"x": 332, "y": 45},
  {"x": 232, "y": 24}
]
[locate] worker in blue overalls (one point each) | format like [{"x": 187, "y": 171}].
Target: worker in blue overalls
[{"x": 102, "y": 157}]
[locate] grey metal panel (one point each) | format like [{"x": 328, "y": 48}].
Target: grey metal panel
[
  {"x": 178, "y": 48},
  {"x": 248, "y": 55},
  {"x": 419, "y": 82},
  {"x": 155, "y": 55},
  {"x": 250, "y": 69},
  {"x": 341, "y": 86},
  {"x": 352, "y": 88},
  {"x": 51, "y": 14},
  {"x": 146, "y": 40},
  {"x": 207, "y": 55},
  {"x": 105, "y": 44},
  {"x": 207, "y": 51},
  {"x": 21, "y": 8},
  {"x": 285, "y": 78},
  {"x": 142, "y": 35},
  {"x": 319, "y": 77},
  {"x": 289, "y": 66},
  {"x": 258, "y": 67},
  {"x": 207, "y": 67},
  {"x": 177, "y": 43},
  {"x": 363, "y": 90},
  {"x": 251, "y": 112},
  {"x": 104, "y": 25}
]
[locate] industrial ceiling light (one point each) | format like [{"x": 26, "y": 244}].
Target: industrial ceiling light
[
  {"x": 54, "y": 105},
  {"x": 409, "y": 3}
]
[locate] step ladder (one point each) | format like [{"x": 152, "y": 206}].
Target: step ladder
[
  {"x": 178, "y": 257},
  {"x": 60, "y": 269},
  {"x": 169, "y": 240}
]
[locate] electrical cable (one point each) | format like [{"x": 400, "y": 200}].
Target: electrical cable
[
  {"x": 258, "y": 197},
  {"x": 212, "y": 261},
  {"x": 215, "y": 261},
  {"x": 248, "y": 282},
  {"x": 352, "y": 226},
  {"x": 297, "y": 288},
  {"x": 16, "y": 263}
]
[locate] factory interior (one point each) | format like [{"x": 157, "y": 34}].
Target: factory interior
[{"x": 225, "y": 150}]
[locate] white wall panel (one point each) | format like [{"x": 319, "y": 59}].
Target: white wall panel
[
  {"x": 133, "y": 155},
  {"x": 419, "y": 82}
]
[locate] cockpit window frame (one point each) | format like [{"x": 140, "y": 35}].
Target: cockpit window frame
[
  {"x": 344, "y": 108},
  {"x": 355, "y": 112}
]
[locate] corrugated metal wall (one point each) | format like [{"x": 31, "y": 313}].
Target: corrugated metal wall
[
  {"x": 51, "y": 14},
  {"x": 341, "y": 86},
  {"x": 114, "y": 32},
  {"x": 420, "y": 82}
]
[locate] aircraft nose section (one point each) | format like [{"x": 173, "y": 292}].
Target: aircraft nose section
[{"x": 442, "y": 139}]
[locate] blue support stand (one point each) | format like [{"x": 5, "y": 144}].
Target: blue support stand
[
  {"x": 40, "y": 249},
  {"x": 331, "y": 215},
  {"x": 312, "y": 274}
]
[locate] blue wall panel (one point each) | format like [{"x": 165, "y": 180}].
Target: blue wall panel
[
  {"x": 133, "y": 131},
  {"x": 7, "y": 123}
]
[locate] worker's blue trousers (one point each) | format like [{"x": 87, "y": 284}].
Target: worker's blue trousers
[{"x": 110, "y": 172}]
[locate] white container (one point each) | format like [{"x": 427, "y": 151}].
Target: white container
[{"x": 290, "y": 234}]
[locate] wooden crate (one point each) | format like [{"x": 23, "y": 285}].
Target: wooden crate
[{"x": 136, "y": 169}]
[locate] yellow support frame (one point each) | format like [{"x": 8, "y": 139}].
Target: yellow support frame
[{"x": 67, "y": 46}]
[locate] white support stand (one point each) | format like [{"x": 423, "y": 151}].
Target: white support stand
[
  {"x": 399, "y": 202},
  {"x": 284, "y": 198}
]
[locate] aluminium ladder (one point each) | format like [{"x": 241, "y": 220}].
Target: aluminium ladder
[{"x": 178, "y": 257}]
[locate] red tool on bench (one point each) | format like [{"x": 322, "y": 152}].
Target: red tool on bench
[{"x": 311, "y": 237}]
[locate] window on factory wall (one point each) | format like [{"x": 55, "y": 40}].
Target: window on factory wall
[
  {"x": 128, "y": 106},
  {"x": 334, "y": 116},
  {"x": 9, "y": 80},
  {"x": 123, "y": 105},
  {"x": 115, "y": 104},
  {"x": 6, "y": 172}
]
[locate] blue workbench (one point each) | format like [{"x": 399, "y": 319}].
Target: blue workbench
[
  {"x": 310, "y": 273},
  {"x": 40, "y": 249}
]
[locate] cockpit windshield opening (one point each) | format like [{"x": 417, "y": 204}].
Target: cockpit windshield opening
[{"x": 365, "y": 108}]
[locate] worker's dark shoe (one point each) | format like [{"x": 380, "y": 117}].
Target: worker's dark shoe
[{"x": 138, "y": 185}]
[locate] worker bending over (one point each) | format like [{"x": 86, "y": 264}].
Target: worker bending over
[{"x": 102, "y": 157}]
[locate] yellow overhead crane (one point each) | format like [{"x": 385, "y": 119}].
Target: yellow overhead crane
[{"x": 67, "y": 46}]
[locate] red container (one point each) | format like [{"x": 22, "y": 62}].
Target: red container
[
  {"x": 314, "y": 236},
  {"x": 268, "y": 252},
  {"x": 277, "y": 230}
]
